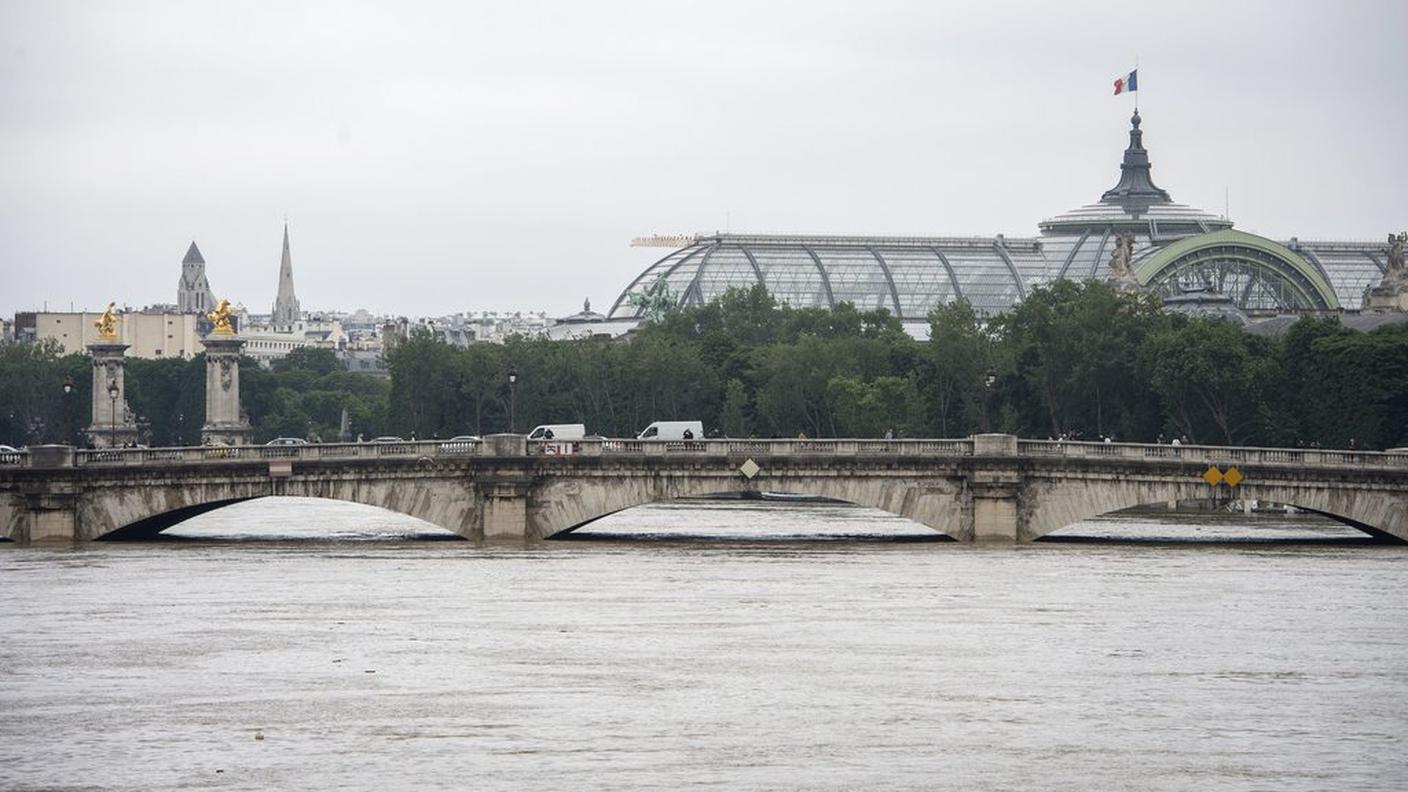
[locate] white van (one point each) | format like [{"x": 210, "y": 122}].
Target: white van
[
  {"x": 673, "y": 430},
  {"x": 558, "y": 432}
]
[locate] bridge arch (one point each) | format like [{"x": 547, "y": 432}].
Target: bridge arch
[
  {"x": 561, "y": 506},
  {"x": 137, "y": 513},
  {"x": 1052, "y": 506}
]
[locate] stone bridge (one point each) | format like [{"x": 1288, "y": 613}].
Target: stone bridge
[{"x": 984, "y": 488}]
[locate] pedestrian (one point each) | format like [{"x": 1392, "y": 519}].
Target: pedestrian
[
  {"x": 1352, "y": 446},
  {"x": 889, "y": 434}
]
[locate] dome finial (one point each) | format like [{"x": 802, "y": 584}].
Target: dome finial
[{"x": 1136, "y": 191}]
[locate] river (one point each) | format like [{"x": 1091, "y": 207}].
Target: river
[{"x": 706, "y": 645}]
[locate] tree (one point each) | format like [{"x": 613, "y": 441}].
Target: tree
[
  {"x": 1211, "y": 377},
  {"x": 960, "y": 356},
  {"x": 733, "y": 416}
]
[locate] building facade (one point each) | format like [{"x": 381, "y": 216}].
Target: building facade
[{"x": 148, "y": 333}]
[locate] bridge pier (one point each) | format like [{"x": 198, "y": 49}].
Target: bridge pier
[
  {"x": 994, "y": 484},
  {"x": 50, "y": 515},
  {"x": 503, "y": 495},
  {"x": 505, "y": 511}
]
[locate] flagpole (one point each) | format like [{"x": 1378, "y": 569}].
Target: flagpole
[{"x": 1136, "y": 88}]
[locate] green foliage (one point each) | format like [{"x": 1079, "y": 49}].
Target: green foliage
[
  {"x": 1212, "y": 378},
  {"x": 33, "y": 405},
  {"x": 1074, "y": 358},
  {"x": 1069, "y": 356}
]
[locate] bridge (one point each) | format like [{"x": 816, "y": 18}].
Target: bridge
[{"x": 984, "y": 488}]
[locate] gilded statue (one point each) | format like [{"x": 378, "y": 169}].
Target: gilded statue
[
  {"x": 107, "y": 324},
  {"x": 220, "y": 317}
]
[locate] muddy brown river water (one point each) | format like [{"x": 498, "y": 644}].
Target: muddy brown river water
[{"x": 707, "y": 645}]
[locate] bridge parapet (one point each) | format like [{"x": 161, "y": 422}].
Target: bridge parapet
[
  {"x": 1395, "y": 458},
  {"x": 1213, "y": 454}
]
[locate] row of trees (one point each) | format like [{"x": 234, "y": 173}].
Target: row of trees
[
  {"x": 1074, "y": 358},
  {"x": 302, "y": 396}
]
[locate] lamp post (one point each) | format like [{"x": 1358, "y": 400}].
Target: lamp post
[
  {"x": 68, "y": 410},
  {"x": 112, "y": 415},
  {"x": 987, "y": 399},
  {"x": 512, "y": 398}
]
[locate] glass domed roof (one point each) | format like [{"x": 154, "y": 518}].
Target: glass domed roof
[{"x": 910, "y": 276}]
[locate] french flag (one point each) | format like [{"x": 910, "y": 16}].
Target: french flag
[{"x": 1129, "y": 82}]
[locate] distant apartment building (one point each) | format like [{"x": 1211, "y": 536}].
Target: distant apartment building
[
  {"x": 267, "y": 344},
  {"x": 150, "y": 333}
]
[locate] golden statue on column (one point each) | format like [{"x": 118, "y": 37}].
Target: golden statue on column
[
  {"x": 107, "y": 324},
  {"x": 220, "y": 317}
]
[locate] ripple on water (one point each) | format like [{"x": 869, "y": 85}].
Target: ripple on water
[{"x": 739, "y": 663}]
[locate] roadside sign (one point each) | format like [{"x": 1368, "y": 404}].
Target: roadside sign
[
  {"x": 1233, "y": 477},
  {"x": 1212, "y": 476},
  {"x": 280, "y": 468}
]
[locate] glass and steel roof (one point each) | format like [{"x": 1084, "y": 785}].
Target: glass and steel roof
[
  {"x": 1173, "y": 245},
  {"x": 908, "y": 276}
]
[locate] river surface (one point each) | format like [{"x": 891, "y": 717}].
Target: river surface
[{"x": 716, "y": 645}]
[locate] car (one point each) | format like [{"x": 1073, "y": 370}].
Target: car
[
  {"x": 387, "y": 439},
  {"x": 287, "y": 441},
  {"x": 460, "y": 444},
  {"x": 4, "y": 449}
]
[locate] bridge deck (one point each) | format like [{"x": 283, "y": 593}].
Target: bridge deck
[{"x": 728, "y": 448}]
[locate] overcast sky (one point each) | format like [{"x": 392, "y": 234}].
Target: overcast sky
[{"x": 434, "y": 158}]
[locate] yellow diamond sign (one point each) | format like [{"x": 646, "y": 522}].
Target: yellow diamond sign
[
  {"x": 1233, "y": 477},
  {"x": 1212, "y": 476}
]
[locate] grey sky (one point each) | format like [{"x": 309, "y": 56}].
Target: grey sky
[{"x": 462, "y": 156}]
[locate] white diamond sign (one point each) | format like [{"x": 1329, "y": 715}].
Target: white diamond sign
[{"x": 749, "y": 469}]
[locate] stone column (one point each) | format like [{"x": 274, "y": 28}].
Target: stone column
[
  {"x": 112, "y": 421},
  {"x": 224, "y": 423}
]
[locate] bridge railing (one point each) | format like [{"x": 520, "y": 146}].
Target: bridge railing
[
  {"x": 730, "y": 448},
  {"x": 1212, "y": 454},
  {"x": 138, "y": 456},
  {"x": 14, "y": 458},
  {"x": 755, "y": 447}
]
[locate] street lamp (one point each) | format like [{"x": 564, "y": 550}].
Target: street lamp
[
  {"x": 112, "y": 415},
  {"x": 512, "y": 397},
  {"x": 987, "y": 399},
  {"x": 68, "y": 410}
]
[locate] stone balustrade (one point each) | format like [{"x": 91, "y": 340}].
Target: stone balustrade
[{"x": 1220, "y": 455}]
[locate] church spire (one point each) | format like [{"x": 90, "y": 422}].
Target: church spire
[
  {"x": 286, "y": 311},
  {"x": 1136, "y": 191}
]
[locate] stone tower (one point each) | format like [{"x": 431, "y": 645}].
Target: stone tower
[
  {"x": 193, "y": 293},
  {"x": 286, "y": 312}
]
